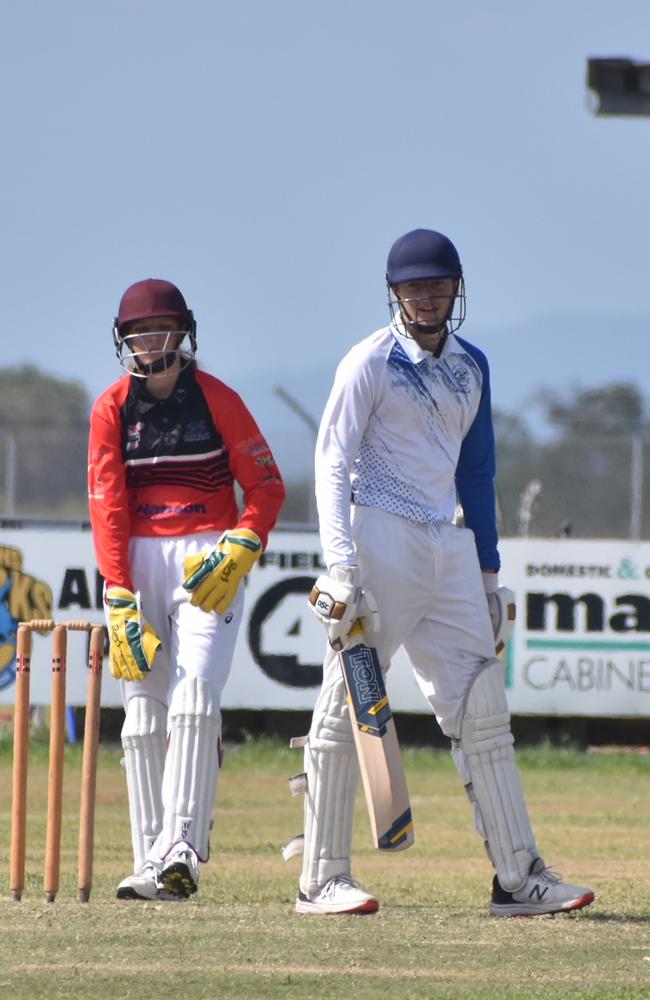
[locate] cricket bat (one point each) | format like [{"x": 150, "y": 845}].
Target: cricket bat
[{"x": 375, "y": 736}]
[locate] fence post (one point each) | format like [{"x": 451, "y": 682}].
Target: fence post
[
  {"x": 10, "y": 473},
  {"x": 636, "y": 487}
]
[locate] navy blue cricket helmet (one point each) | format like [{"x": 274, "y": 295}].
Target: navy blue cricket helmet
[
  {"x": 421, "y": 254},
  {"x": 424, "y": 254}
]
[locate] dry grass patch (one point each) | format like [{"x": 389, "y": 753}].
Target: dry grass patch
[{"x": 432, "y": 938}]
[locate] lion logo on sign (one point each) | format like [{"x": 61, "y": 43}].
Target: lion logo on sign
[{"x": 22, "y": 597}]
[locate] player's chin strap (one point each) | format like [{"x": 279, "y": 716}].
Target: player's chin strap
[
  {"x": 413, "y": 324},
  {"x": 485, "y": 757},
  {"x": 405, "y": 326},
  {"x": 441, "y": 344},
  {"x": 154, "y": 367},
  {"x": 424, "y": 328}
]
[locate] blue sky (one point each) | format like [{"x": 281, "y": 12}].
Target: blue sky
[{"x": 264, "y": 156}]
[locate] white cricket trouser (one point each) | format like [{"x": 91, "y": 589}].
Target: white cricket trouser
[
  {"x": 194, "y": 644},
  {"x": 427, "y": 582}
]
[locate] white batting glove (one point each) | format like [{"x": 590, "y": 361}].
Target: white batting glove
[
  {"x": 502, "y": 608},
  {"x": 337, "y": 599}
]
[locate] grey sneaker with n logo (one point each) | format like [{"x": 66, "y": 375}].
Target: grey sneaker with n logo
[{"x": 542, "y": 892}]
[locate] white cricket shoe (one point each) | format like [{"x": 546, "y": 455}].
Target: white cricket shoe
[
  {"x": 543, "y": 892},
  {"x": 180, "y": 871},
  {"x": 340, "y": 895},
  {"x": 144, "y": 884}
]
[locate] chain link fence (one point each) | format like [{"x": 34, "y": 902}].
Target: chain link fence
[
  {"x": 43, "y": 473},
  {"x": 590, "y": 487}
]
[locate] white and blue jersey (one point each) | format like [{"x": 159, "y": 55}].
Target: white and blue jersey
[{"x": 410, "y": 434}]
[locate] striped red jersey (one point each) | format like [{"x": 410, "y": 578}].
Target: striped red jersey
[{"x": 167, "y": 467}]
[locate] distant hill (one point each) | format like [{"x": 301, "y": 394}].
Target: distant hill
[{"x": 552, "y": 351}]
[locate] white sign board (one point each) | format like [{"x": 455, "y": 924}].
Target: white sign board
[
  {"x": 581, "y": 644},
  {"x": 582, "y": 640}
]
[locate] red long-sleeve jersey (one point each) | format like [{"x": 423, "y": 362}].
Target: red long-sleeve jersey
[{"x": 167, "y": 467}]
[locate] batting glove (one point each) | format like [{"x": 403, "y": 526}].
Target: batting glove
[
  {"x": 133, "y": 643},
  {"x": 502, "y": 608},
  {"x": 338, "y": 600},
  {"x": 212, "y": 578}
]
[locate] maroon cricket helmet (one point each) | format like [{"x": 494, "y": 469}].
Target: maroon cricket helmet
[{"x": 151, "y": 298}]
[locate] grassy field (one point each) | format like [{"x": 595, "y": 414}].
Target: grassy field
[{"x": 238, "y": 938}]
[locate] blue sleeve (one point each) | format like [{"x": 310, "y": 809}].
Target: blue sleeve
[{"x": 476, "y": 470}]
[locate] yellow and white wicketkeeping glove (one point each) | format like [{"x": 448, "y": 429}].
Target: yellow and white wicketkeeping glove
[
  {"x": 212, "y": 578},
  {"x": 133, "y": 643}
]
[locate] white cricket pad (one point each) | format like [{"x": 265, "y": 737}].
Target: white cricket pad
[
  {"x": 191, "y": 768},
  {"x": 485, "y": 758},
  {"x": 144, "y": 739},
  {"x": 332, "y": 777}
]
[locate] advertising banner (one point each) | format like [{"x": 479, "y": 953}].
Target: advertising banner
[{"x": 581, "y": 644}]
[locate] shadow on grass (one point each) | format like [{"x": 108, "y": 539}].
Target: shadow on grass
[{"x": 616, "y": 918}]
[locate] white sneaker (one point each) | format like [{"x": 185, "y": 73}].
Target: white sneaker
[
  {"x": 144, "y": 884},
  {"x": 340, "y": 895},
  {"x": 180, "y": 871},
  {"x": 543, "y": 892}
]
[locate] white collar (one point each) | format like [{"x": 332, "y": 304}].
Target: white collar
[{"x": 413, "y": 350}]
